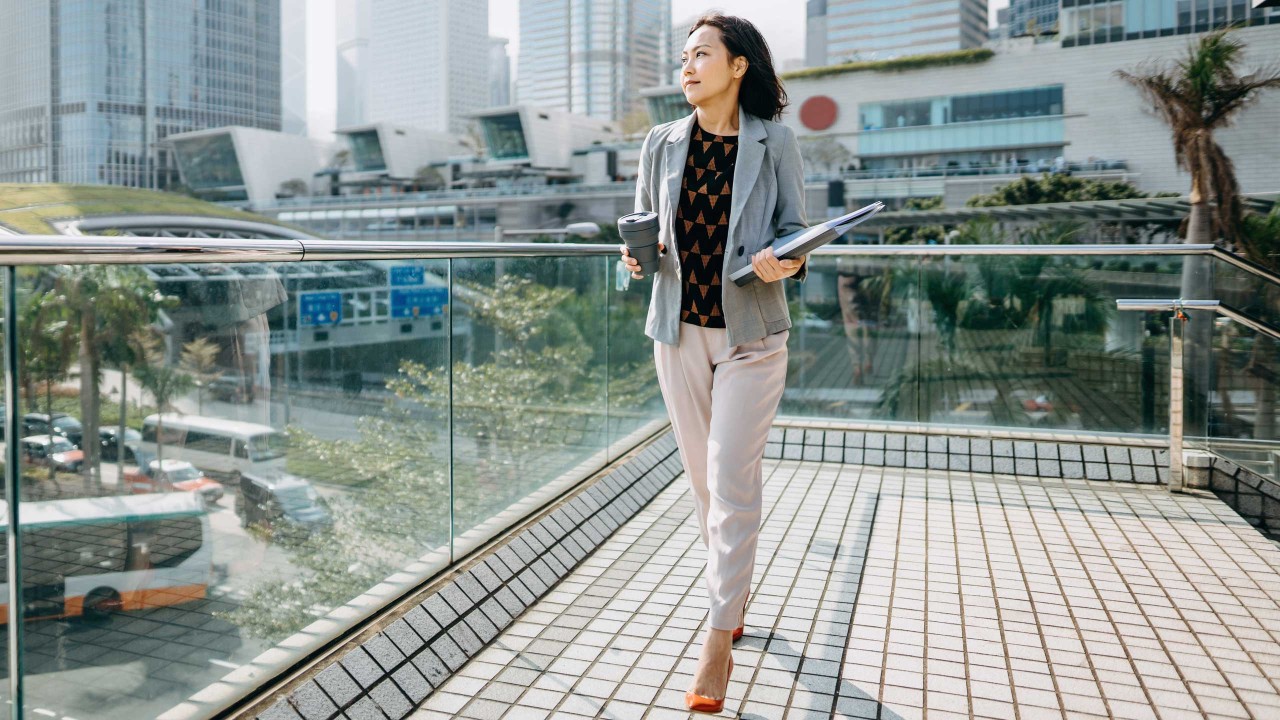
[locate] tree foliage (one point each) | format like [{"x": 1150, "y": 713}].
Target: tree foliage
[
  {"x": 1196, "y": 96},
  {"x": 1054, "y": 188},
  {"x": 908, "y": 62}
]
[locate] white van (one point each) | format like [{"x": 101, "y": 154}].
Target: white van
[{"x": 217, "y": 446}]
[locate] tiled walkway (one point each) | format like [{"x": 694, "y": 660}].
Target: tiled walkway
[{"x": 883, "y": 593}]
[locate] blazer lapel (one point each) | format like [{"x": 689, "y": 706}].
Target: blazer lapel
[
  {"x": 677, "y": 153},
  {"x": 751, "y": 138}
]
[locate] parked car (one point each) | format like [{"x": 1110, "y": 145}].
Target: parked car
[
  {"x": 52, "y": 451},
  {"x": 231, "y": 388},
  {"x": 108, "y": 437},
  {"x": 172, "y": 476},
  {"x": 55, "y": 424},
  {"x": 272, "y": 498}
]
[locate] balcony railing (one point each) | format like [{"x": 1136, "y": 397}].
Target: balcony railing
[{"x": 299, "y": 453}]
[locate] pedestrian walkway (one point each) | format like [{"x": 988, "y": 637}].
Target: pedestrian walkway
[{"x": 890, "y": 593}]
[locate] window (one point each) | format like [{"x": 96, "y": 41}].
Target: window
[
  {"x": 504, "y": 135},
  {"x": 907, "y": 114},
  {"x": 206, "y": 442},
  {"x": 366, "y": 151},
  {"x": 1032, "y": 102}
]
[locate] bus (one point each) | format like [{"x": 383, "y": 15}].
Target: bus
[
  {"x": 219, "y": 447},
  {"x": 91, "y": 557}
]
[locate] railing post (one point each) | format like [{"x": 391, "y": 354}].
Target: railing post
[
  {"x": 1176, "y": 419},
  {"x": 11, "y": 489}
]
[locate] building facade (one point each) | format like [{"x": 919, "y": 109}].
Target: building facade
[
  {"x": 844, "y": 30},
  {"x": 432, "y": 62},
  {"x": 1091, "y": 22},
  {"x": 89, "y": 90},
  {"x": 591, "y": 57},
  {"x": 1039, "y": 106}
]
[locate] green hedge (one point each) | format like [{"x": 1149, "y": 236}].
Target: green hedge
[{"x": 909, "y": 62}]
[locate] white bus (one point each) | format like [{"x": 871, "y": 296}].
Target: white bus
[
  {"x": 217, "y": 446},
  {"x": 95, "y": 556}
]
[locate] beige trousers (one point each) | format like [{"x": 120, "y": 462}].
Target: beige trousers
[{"x": 722, "y": 401}]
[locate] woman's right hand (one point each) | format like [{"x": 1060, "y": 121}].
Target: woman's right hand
[{"x": 633, "y": 265}]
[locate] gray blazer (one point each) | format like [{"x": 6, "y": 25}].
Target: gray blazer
[{"x": 767, "y": 202}]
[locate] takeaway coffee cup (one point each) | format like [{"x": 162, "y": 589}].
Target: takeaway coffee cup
[{"x": 640, "y": 232}]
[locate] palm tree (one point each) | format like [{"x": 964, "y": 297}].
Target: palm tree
[
  {"x": 200, "y": 359},
  {"x": 1196, "y": 96},
  {"x": 47, "y": 350},
  {"x": 164, "y": 381},
  {"x": 107, "y": 303}
]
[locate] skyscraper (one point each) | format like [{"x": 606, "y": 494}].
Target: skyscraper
[
  {"x": 89, "y": 89},
  {"x": 352, "y": 62},
  {"x": 499, "y": 72},
  {"x": 293, "y": 66},
  {"x": 843, "y": 30},
  {"x": 591, "y": 57},
  {"x": 431, "y": 62},
  {"x": 815, "y": 33}
]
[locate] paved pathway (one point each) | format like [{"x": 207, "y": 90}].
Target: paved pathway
[{"x": 883, "y": 593}]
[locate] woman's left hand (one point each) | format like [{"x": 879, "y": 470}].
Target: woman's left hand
[{"x": 770, "y": 269}]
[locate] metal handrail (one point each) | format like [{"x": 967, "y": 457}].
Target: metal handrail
[
  {"x": 1176, "y": 417},
  {"x": 129, "y": 250},
  {"x": 1215, "y": 305},
  {"x": 74, "y": 249}
]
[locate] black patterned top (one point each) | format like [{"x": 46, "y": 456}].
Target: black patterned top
[{"x": 702, "y": 224}]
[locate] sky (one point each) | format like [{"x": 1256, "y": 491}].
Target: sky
[{"x": 781, "y": 22}]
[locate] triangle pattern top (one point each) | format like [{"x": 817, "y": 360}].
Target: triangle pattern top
[{"x": 703, "y": 229}]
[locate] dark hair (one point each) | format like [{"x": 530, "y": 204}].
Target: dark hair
[{"x": 761, "y": 94}]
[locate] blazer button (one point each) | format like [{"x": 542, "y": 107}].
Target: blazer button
[{"x": 740, "y": 250}]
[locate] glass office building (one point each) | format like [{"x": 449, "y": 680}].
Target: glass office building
[
  {"x": 844, "y": 30},
  {"x": 592, "y": 57},
  {"x": 428, "y": 63},
  {"x": 1036, "y": 17},
  {"x": 89, "y": 89},
  {"x": 1089, "y": 22}
]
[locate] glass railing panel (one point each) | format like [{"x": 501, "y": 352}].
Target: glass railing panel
[
  {"x": 1036, "y": 342},
  {"x": 854, "y": 349},
  {"x": 5, "y": 697},
  {"x": 635, "y": 400},
  {"x": 1017, "y": 341},
  {"x": 1243, "y": 399},
  {"x": 1248, "y": 293},
  {"x": 529, "y": 385},
  {"x": 273, "y": 472}
]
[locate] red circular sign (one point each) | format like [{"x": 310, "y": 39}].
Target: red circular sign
[{"x": 818, "y": 112}]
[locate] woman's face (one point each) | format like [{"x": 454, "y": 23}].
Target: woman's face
[{"x": 706, "y": 69}]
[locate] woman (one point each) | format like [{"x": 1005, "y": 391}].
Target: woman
[{"x": 725, "y": 181}]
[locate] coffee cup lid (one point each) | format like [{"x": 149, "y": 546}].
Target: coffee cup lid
[{"x": 637, "y": 221}]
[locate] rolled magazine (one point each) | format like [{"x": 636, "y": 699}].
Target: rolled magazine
[{"x": 801, "y": 242}]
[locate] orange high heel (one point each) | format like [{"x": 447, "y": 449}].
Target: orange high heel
[
  {"x": 741, "y": 628},
  {"x": 698, "y": 703}
]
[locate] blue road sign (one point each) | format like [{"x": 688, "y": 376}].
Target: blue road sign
[
  {"x": 402, "y": 275},
  {"x": 319, "y": 308},
  {"x": 418, "y": 302}
]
